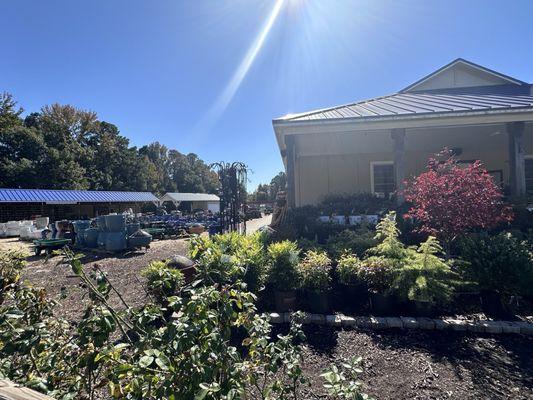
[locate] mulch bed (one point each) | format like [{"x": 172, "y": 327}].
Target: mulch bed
[{"x": 425, "y": 365}]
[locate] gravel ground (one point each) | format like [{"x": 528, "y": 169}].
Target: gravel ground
[{"x": 123, "y": 271}]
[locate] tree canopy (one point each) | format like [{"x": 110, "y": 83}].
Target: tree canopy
[
  {"x": 64, "y": 147},
  {"x": 269, "y": 191}
]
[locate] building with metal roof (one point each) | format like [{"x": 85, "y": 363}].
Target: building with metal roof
[
  {"x": 18, "y": 204},
  {"x": 204, "y": 201},
  {"x": 373, "y": 145}
]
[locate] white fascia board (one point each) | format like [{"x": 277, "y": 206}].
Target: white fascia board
[{"x": 400, "y": 121}]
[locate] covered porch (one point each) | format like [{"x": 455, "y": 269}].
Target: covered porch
[{"x": 377, "y": 157}]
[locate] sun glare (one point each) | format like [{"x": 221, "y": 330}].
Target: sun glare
[{"x": 224, "y": 99}]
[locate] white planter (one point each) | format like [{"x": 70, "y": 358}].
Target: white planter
[
  {"x": 339, "y": 219},
  {"x": 372, "y": 219},
  {"x": 355, "y": 219}
]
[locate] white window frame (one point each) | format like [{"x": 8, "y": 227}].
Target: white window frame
[
  {"x": 372, "y": 163},
  {"x": 527, "y": 157}
]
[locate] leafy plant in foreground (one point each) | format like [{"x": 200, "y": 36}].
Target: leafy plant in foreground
[{"x": 343, "y": 383}]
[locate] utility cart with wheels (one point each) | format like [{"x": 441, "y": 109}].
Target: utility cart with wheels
[{"x": 49, "y": 245}]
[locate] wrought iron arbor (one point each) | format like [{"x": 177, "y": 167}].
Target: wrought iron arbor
[{"x": 233, "y": 178}]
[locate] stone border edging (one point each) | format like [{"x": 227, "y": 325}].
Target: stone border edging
[{"x": 376, "y": 323}]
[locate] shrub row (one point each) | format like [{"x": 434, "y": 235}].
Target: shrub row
[{"x": 363, "y": 266}]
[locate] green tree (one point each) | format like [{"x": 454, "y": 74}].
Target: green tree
[{"x": 9, "y": 113}]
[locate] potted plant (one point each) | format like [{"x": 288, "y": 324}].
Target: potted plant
[
  {"x": 377, "y": 273},
  {"x": 353, "y": 291},
  {"x": 426, "y": 280},
  {"x": 315, "y": 270},
  {"x": 283, "y": 276},
  {"x": 502, "y": 266}
]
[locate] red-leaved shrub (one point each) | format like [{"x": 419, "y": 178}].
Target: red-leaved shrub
[{"x": 450, "y": 199}]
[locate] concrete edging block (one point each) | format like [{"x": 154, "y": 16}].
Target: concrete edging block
[
  {"x": 376, "y": 323},
  {"x": 276, "y": 318},
  {"x": 333, "y": 320},
  {"x": 426, "y": 323},
  {"x": 347, "y": 321},
  {"x": 394, "y": 322},
  {"x": 410, "y": 322}
]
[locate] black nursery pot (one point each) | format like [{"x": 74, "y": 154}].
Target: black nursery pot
[
  {"x": 352, "y": 297},
  {"x": 422, "y": 308},
  {"x": 285, "y": 300},
  {"x": 318, "y": 302},
  {"x": 492, "y": 305},
  {"x": 382, "y": 305}
]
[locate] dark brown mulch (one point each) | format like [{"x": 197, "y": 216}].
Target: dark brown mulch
[
  {"x": 123, "y": 271},
  {"x": 426, "y": 365}
]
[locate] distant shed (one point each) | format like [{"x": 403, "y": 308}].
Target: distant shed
[
  {"x": 19, "y": 204},
  {"x": 202, "y": 201}
]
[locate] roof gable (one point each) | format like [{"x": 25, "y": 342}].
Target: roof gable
[{"x": 461, "y": 73}]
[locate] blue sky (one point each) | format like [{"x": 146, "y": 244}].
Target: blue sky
[{"x": 166, "y": 70}]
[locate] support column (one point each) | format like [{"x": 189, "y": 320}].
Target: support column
[
  {"x": 291, "y": 155},
  {"x": 398, "y": 135},
  {"x": 517, "y": 169}
]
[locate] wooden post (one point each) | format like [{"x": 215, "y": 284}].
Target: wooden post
[
  {"x": 291, "y": 155},
  {"x": 398, "y": 135},
  {"x": 517, "y": 169}
]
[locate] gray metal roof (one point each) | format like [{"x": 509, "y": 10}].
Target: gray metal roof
[
  {"x": 419, "y": 103},
  {"x": 190, "y": 197},
  {"x": 72, "y": 196}
]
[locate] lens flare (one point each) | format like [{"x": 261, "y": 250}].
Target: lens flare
[{"x": 224, "y": 99}]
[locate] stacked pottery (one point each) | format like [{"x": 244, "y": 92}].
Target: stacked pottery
[
  {"x": 79, "y": 228},
  {"x": 91, "y": 237},
  {"x": 116, "y": 235},
  {"x": 102, "y": 231}
]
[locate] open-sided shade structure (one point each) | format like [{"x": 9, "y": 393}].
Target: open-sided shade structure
[
  {"x": 204, "y": 201},
  {"x": 17, "y": 204}
]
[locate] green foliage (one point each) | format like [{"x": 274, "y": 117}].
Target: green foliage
[
  {"x": 377, "y": 273},
  {"x": 426, "y": 277},
  {"x": 389, "y": 244},
  {"x": 343, "y": 383},
  {"x": 268, "y": 192},
  {"x": 348, "y": 267},
  {"x": 353, "y": 241},
  {"x": 163, "y": 281},
  {"x": 283, "y": 260},
  {"x": 501, "y": 263},
  {"x": 231, "y": 256},
  {"x": 63, "y": 147},
  {"x": 192, "y": 356},
  {"x": 9, "y": 113},
  {"x": 216, "y": 346},
  {"x": 315, "y": 270},
  {"x": 11, "y": 265}
]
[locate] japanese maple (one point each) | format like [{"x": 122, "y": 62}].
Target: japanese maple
[{"x": 450, "y": 199}]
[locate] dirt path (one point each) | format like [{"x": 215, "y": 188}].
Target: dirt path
[
  {"x": 254, "y": 224},
  {"x": 123, "y": 271}
]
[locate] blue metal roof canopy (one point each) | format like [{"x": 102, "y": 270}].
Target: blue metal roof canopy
[{"x": 73, "y": 196}]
